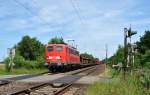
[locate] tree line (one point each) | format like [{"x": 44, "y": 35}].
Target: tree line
[
  {"x": 142, "y": 56},
  {"x": 30, "y": 53}
]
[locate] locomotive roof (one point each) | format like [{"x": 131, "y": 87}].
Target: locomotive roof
[{"x": 61, "y": 45}]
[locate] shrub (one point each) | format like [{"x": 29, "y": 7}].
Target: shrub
[
  {"x": 30, "y": 64},
  {"x": 6, "y": 61},
  {"x": 41, "y": 62},
  {"x": 19, "y": 61}
]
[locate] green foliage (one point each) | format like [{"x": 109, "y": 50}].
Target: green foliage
[
  {"x": 117, "y": 57},
  {"x": 145, "y": 78},
  {"x": 6, "y": 61},
  {"x": 144, "y": 43},
  {"x": 20, "y": 62},
  {"x": 30, "y": 48},
  {"x": 115, "y": 72},
  {"x": 56, "y": 40},
  {"x": 142, "y": 60},
  {"x": 113, "y": 88},
  {"x": 29, "y": 54},
  {"x": 142, "y": 57},
  {"x": 138, "y": 58},
  {"x": 131, "y": 86},
  {"x": 146, "y": 59}
]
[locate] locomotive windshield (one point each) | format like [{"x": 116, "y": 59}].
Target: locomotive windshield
[
  {"x": 50, "y": 48},
  {"x": 59, "y": 48}
]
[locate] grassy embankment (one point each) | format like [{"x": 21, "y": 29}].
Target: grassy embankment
[
  {"x": 3, "y": 71},
  {"x": 131, "y": 86}
]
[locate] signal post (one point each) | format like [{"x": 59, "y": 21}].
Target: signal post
[{"x": 127, "y": 56}]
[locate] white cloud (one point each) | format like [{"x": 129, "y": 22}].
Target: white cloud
[{"x": 102, "y": 21}]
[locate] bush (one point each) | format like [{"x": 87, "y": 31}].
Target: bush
[
  {"x": 20, "y": 62},
  {"x": 6, "y": 61},
  {"x": 147, "y": 65},
  {"x": 30, "y": 64},
  {"x": 41, "y": 62}
]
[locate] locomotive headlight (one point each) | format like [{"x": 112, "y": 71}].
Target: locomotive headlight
[
  {"x": 58, "y": 57},
  {"x": 50, "y": 57}
]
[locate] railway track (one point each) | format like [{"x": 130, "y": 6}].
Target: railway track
[
  {"x": 61, "y": 91},
  {"x": 5, "y": 81},
  {"x": 55, "y": 87}
]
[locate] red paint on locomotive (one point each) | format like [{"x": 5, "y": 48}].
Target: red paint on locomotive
[{"x": 61, "y": 54}]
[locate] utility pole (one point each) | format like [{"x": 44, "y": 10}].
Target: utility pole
[
  {"x": 106, "y": 48},
  {"x": 106, "y": 57},
  {"x": 125, "y": 52}
]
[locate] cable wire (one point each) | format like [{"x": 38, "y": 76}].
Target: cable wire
[
  {"x": 32, "y": 13},
  {"x": 76, "y": 11},
  {"x": 35, "y": 4}
]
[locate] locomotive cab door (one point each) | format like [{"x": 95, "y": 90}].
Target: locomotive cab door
[{"x": 67, "y": 56}]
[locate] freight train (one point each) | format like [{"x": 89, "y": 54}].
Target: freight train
[{"x": 63, "y": 56}]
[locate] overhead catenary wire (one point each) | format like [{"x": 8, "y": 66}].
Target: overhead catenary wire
[
  {"x": 32, "y": 13},
  {"x": 61, "y": 34},
  {"x": 76, "y": 11},
  {"x": 35, "y": 4},
  {"x": 26, "y": 8}
]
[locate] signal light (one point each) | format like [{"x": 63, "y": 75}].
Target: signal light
[{"x": 131, "y": 33}]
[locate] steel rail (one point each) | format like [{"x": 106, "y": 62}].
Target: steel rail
[
  {"x": 5, "y": 81},
  {"x": 69, "y": 85},
  {"x": 35, "y": 87}
]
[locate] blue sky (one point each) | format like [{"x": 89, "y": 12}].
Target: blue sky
[{"x": 102, "y": 22}]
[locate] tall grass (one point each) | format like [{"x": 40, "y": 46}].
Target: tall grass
[
  {"x": 114, "y": 88},
  {"x": 130, "y": 86}
]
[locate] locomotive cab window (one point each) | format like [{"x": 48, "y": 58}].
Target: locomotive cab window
[
  {"x": 49, "y": 48},
  {"x": 59, "y": 48}
]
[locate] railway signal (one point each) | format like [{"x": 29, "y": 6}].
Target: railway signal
[
  {"x": 128, "y": 33},
  {"x": 131, "y": 33}
]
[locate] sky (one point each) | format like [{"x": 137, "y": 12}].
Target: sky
[{"x": 91, "y": 23}]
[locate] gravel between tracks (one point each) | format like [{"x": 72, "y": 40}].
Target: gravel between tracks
[
  {"x": 14, "y": 86},
  {"x": 47, "y": 90},
  {"x": 76, "y": 90}
]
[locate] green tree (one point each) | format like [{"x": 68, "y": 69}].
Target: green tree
[
  {"x": 56, "y": 40},
  {"x": 144, "y": 43},
  {"x": 117, "y": 57},
  {"x": 30, "y": 48},
  {"x": 143, "y": 56},
  {"x": 146, "y": 59}
]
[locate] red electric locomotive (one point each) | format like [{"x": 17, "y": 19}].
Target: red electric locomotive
[{"x": 61, "y": 56}]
